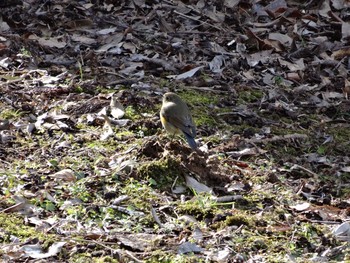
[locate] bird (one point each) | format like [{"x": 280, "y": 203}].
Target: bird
[{"x": 176, "y": 118}]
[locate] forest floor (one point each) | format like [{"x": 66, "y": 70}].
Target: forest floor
[{"x": 87, "y": 174}]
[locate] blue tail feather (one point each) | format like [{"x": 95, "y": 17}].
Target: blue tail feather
[{"x": 191, "y": 141}]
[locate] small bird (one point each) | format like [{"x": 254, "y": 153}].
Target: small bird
[{"x": 176, "y": 118}]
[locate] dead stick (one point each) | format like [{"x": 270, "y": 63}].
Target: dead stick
[{"x": 196, "y": 19}]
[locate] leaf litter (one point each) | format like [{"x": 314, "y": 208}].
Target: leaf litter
[{"x": 86, "y": 173}]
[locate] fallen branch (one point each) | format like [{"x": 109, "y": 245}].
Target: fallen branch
[{"x": 279, "y": 138}]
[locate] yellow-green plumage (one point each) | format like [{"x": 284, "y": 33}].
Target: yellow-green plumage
[{"x": 176, "y": 118}]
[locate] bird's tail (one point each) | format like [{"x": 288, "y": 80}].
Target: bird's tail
[{"x": 191, "y": 141}]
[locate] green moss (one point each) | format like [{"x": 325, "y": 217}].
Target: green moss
[
  {"x": 215, "y": 139},
  {"x": 106, "y": 260},
  {"x": 200, "y": 206},
  {"x": 131, "y": 113},
  {"x": 111, "y": 144},
  {"x": 12, "y": 225},
  {"x": 25, "y": 52},
  {"x": 82, "y": 258},
  {"x": 79, "y": 190},
  {"x": 196, "y": 98},
  {"x": 239, "y": 219},
  {"x": 160, "y": 256},
  {"x": 10, "y": 114},
  {"x": 340, "y": 143},
  {"x": 163, "y": 83},
  {"x": 122, "y": 134},
  {"x": 203, "y": 119},
  {"x": 161, "y": 173},
  {"x": 78, "y": 89},
  {"x": 249, "y": 95},
  {"x": 141, "y": 194},
  {"x": 202, "y": 106}
]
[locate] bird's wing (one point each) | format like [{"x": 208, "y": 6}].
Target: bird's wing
[{"x": 186, "y": 126}]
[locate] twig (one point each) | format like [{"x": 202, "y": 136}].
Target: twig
[
  {"x": 279, "y": 138},
  {"x": 156, "y": 217},
  {"x": 14, "y": 207},
  {"x": 325, "y": 222},
  {"x": 190, "y": 33},
  {"x": 133, "y": 257},
  {"x": 119, "y": 251},
  {"x": 297, "y": 166},
  {"x": 129, "y": 254},
  {"x": 196, "y": 19}
]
